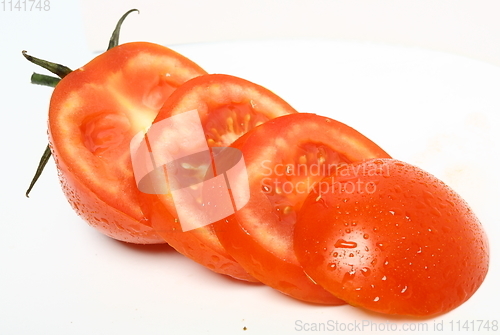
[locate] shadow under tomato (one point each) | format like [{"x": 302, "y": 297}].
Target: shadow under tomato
[{"x": 148, "y": 248}]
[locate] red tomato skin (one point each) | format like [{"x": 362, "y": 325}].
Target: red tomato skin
[
  {"x": 282, "y": 272},
  {"x": 411, "y": 247},
  {"x": 191, "y": 243},
  {"x": 117, "y": 214},
  {"x": 100, "y": 215}
]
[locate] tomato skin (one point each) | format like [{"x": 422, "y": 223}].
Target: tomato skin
[
  {"x": 405, "y": 244},
  {"x": 94, "y": 112},
  {"x": 227, "y": 107},
  {"x": 259, "y": 236}
]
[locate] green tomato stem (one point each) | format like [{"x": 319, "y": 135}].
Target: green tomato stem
[
  {"x": 44, "y": 80},
  {"x": 43, "y": 161},
  {"x": 114, "y": 40},
  {"x": 57, "y": 69}
]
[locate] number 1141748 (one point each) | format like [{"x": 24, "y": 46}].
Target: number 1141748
[{"x": 25, "y": 5}]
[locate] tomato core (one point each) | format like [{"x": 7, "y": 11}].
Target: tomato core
[{"x": 104, "y": 131}]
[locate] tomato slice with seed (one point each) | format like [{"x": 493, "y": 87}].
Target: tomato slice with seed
[
  {"x": 94, "y": 113},
  {"x": 226, "y": 108},
  {"x": 392, "y": 238},
  {"x": 284, "y": 158}
]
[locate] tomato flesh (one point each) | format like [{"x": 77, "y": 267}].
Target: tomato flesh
[
  {"x": 389, "y": 237},
  {"x": 285, "y": 157},
  {"x": 94, "y": 113},
  {"x": 227, "y": 107}
]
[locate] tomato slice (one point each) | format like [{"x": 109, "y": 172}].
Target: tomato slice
[
  {"x": 94, "y": 113},
  {"x": 392, "y": 238},
  {"x": 226, "y": 107},
  {"x": 284, "y": 158}
]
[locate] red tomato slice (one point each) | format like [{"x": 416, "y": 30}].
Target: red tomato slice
[
  {"x": 227, "y": 107},
  {"x": 392, "y": 238},
  {"x": 94, "y": 113},
  {"x": 284, "y": 158}
]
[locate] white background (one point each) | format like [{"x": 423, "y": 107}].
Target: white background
[{"x": 434, "y": 109}]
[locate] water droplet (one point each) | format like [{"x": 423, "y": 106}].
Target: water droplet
[
  {"x": 365, "y": 236},
  {"x": 384, "y": 278},
  {"x": 345, "y": 244},
  {"x": 351, "y": 255},
  {"x": 366, "y": 271},
  {"x": 335, "y": 254},
  {"x": 332, "y": 266},
  {"x": 348, "y": 276},
  {"x": 376, "y": 299},
  {"x": 381, "y": 246},
  {"x": 347, "y": 230}
]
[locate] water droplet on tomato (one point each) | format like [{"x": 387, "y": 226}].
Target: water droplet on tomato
[
  {"x": 345, "y": 244},
  {"x": 403, "y": 290},
  {"x": 366, "y": 236},
  {"x": 366, "y": 271},
  {"x": 349, "y": 275},
  {"x": 435, "y": 211},
  {"x": 332, "y": 266}
]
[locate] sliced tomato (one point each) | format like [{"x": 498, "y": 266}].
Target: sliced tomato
[
  {"x": 284, "y": 158},
  {"x": 392, "y": 238},
  {"x": 94, "y": 113},
  {"x": 225, "y": 107}
]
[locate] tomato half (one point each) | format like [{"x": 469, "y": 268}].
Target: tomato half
[
  {"x": 94, "y": 113},
  {"x": 392, "y": 238},
  {"x": 284, "y": 158},
  {"x": 225, "y": 107}
]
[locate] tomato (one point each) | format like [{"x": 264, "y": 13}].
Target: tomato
[
  {"x": 94, "y": 113},
  {"x": 392, "y": 238},
  {"x": 225, "y": 108},
  {"x": 284, "y": 158}
]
